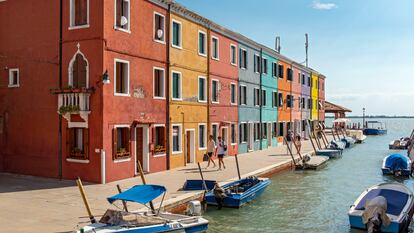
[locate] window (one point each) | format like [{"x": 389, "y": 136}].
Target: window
[
  {"x": 176, "y": 86},
  {"x": 274, "y": 99},
  {"x": 281, "y": 131},
  {"x": 78, "y": 71},
  {"x": 274, "y": 129},
  {"x": 303, "y": 103},
  {"x": 214, "y": 131},
  {"x": 121, "y": 142},
  {"x": 310, "y": 104},
  {"x": 281, "y": 71},
  {"x": 159, "y": 27},
  {"x": 288, "y": 101},
  {"x": 256, "y": 97},
  {"x": 243, "y": 132},
  {"x": 159, "y": 83},
  {"x": 303, "y": 79},
  {"x": 121, "y": 77},
  {"x": 233, "y": 133},
  {"x": 242, "y": 95},
  {"x": 243, "y": 59},
  {"x": 264, "y": 66},
  {"x": 176, "y": 34},
  {"x": 233, "y": 55},
  {"x": 264, "y": 97},
  {"x": 292, "y": 101},
  {"x": 77, "y": 143},
  {"x": 289, "y": 74},
  {"x": 176, "y": 138},
  {"x": 14, "y": 78},
  {"x": 309, "y": 81},
  {"x": 280, "y": 102},
  {"x": 122, "y": 12},
  {"x": 202, "y": 87},
  {"x": 202, "y": 136},
  {"x": 303, "y": 125},
  {"x": 274, "y": 69},
  {"x": 264, "y": 130},
  {"x": 159, "y": 139},
  {"x": 215, "y": 48},
  {"x": 256, "y": 63},
  {"x": 256, "y": 130},
  {"x": 79, "y": 13},
  {"x": 233, "y": 97},
  {"x": 214, "y": 91},
  {"x": 202, "y": 43}
]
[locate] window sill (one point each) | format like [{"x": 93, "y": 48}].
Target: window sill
[
  {"x": 122, "y": 94},
  {"x": 215, "y": 58},
  {"x": 233, "y": 144},
  {"x": 202, "y": 54},
  {"x": 234, "y": 104},
  {"x": 233, "y": 64},
  {"x": 176, "y": 99},
  {"x": 122, "y": 160},
  {"x": 242, "y": 142},
  {"x": 214, "y": 102},
  {"x": 84, "y": 161},
  {"x": 176, "y": 152},
  {"x": 202, "y": 101},
  {"x": 159, "y": 98},
  {"x": 202, "y": 148},
  {"x": 176, "y": 46},
  {"x": 78, "y": 27},
  {"x": 13, "y": 86},
  {"x": 160, "y": 41},
  {"x": 159, "y": 155},
  {"x": 122, "y": 30}
]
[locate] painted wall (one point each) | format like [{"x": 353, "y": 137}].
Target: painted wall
[
  {"x": 224, "y": 112},
  {"x": 284, "y": 87},
  {"x": 249, "y": 113},
  {"x": 188, "y": 112},
  {"x": 314, "y": 93},
  {"x": 322, "y": 97},
  {"x": 297, "y": 94},
  {"x": 306, "y": 93}
]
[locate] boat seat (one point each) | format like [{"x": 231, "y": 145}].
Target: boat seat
[
  {"x": 116, "y": 217},
  {"x": 395, "y": 200}
]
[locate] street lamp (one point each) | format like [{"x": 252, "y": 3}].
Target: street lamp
[{"x": 363, "y": 117}]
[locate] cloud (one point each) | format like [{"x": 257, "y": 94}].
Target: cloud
[{"x": 323, "y": 6}]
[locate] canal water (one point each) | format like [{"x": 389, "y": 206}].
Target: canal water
[{"x": 316, "y": 201}]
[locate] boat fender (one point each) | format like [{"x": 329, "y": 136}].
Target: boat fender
[{"x": 193, "y": 208}]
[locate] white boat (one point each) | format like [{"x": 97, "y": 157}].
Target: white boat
[
  {"x": 399, "y": 144},
  {"x": 398, "y": 208},
  {"x": 358, "y": 135}
]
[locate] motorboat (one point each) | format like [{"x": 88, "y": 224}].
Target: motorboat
[
  {"x": 357, "y": 135},
  {"x": 386, "y": 207},
  {"x": 331, "y": 153},
  {"x": 400, "y": 144},
  {"x": 375, "y": 128},
  {"x": 396, "y": 164}
]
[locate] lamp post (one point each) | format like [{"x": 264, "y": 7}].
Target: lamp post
[{"x": 363, "y": 117}]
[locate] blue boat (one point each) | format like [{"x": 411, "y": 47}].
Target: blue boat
[
  {"x": 331, "y": 153},
  {"x": 337, "y": 145},
  {"x": 240, "y": 192},
  {"x": 114, "y": 221},
  {"x": 396, "y": 164},
  {"x": 348, "y": 141},
  {"x": 375, "y": 128},
  {"x": 397, "y": 209},
  {"x": 193, "y": 185}
]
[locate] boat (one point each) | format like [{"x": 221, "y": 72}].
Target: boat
[
  {"x": 357, "y": 135},
  {"x": 399, "y": 144},
  {"x": 396, "y": 164},
  {"x": 240, "y": 192},
  {"x": 375, "y": 128},
  {"x": 331, "y": 153},
  {"x": 391, "y": 202},
  {"x": 194, "y": 185},
  {"x": 348, "y": 141},
  {"x": 337, "y": 145},
  {"x": 151, "y": 221}
]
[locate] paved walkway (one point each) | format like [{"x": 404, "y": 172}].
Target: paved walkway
[{"x": 33, "y": 204}]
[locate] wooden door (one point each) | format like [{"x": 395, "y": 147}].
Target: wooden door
[
  {"x": 140, "y": 146},
  {"x": 188, "y": 146}
]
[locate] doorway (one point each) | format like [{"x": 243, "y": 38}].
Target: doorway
[
  {"x": 269, "y": 134},
  {"x": 142, "y": 148},
  {"x": 225, "y": 136},
  {"x": 190, "y": 146},
  {"x": 250, "y": 136}
]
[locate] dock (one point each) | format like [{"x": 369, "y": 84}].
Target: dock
[{"x": 316, "y": 162}]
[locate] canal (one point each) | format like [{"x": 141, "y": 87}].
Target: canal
[{"x": 315, "y": 201}]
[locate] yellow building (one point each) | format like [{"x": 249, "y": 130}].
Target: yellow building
[
  {"x": 188, "y": 91},
  {"x": 314, "y": 96}
]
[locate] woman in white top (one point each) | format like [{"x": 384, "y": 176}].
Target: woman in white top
[
  {"x": 220, "y": 151},
  {"x": 211, "y": 147}
]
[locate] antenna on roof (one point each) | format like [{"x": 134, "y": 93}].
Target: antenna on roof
[
  {"x": 306, "y": 47},
  {"x": 277, "y": 44}
]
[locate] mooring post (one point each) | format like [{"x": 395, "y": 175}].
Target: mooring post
[
  {"x": 141, "y": 173},
  {"x": 123, "y": 202},
  {"x": 237, "y": 165},
  {"x": 290, "y": 151}
]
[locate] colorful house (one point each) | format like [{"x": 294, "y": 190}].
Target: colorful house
[
  {"x": 321, "y": 98},
  {"x": 306, "y": 100},
  {"x": 314, "y": 96},
  {"x": 285, "y": 77},
  {"x": 296, "y": 84}
]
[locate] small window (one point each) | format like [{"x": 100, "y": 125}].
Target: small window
[
  {"x": 256, "y": 97},
  {"x": 281, "y": 131},
  {"x": 233, "y": 55},
  {"x": 79, "y": 13},
  {"x": 202, "y": 136},
  {"x": 256, "y": 63},
  {"x": 256, "y": 129},
  {"x": 14, "y": 78},
  {"x": 274, "y": 129},
  {"x": 243, "y": 132},
  {"x": 78, "y": 72},
  {"x": 176, "y": 34},
  {"x": 299, "y": 75},
  {"x": 274, "y": 69},
  {"x": 264, "y": 66},
  {"x": 303, "y": 103},
  {"x": 159, "y": 83},
  {"x": 78, "y": 143},
  {"x": 263, "y": 97},
  {"x": 214, "y": 131},
  {"x": 202, "y": 46},
  {"x": 176, "y": 86},
  {"x": 159, "y": 138},
  {"x": 214, "y": 91},
  {"x": 121, "y": 77},
  {"x": 280, "y": 102},
  {"x": 121, "y": 142},
  {"x": 309, "y": 81},
  {"x": 274, "y": 99},
  {"x": 233, "y": 133},
  {"x": 243, "y": 59},
  {"x": 202, "y": 87},
  {"x": 303, "y": 79},
  {"x": 159, "y": 27},
  {"x": 176, "y": 138},
  {"x": 264, "y": 130},
  {"x": 122, "y": 12},
  {"x": 281, "y": 71},
  {"x": 289, "y": 74},
  {"x": 242, "y": 95},
  {"x": 233, "y": 97},
  {"x": 215, "y": 48}
]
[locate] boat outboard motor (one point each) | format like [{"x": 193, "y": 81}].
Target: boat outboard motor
[
  {"x": 193, "y": 208},
  {"x": 375, "y": 214}
]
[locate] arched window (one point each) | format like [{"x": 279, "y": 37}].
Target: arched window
[{"x": 78, "y": 71}]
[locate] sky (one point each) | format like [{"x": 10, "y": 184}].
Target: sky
[{"x": 365, "y": 48}]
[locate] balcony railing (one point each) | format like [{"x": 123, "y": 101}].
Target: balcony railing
[{"x": 73, "y": 102}]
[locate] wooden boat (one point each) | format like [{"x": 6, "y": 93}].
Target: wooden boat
[
  {"x": 375, "y": 128},
  {"x": 396, "y": 164},
  {"x": 399, "y": 144},
  {"x": 398, "y": 208},
  {"x": 147, "y": 221},
  {"x": 240, "y": 192}
]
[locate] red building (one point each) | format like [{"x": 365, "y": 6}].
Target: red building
[
  {"x": 321, "y": 97},
  {"x": 107, "y": 109},
  {"x": 223, "y": 76}
]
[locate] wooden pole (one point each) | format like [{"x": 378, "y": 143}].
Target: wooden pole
[
  {"x": 310, "y": 138},
  {"x": 322, "y": 139},
  {"x": 290, "y": 151},
  {"x": 318, "y": 143},
  {"x": 123, "y": 202},
  {"x": 202, "y": 177},
  {"x": 333, "y": 134},
  {"x": 85, "y": 201},
  {"x": 297, "y": 149},
  {"x": 141, "y": 173},
  {"x": 237, "y": 165},
  {"x": 325, "y": 137}
]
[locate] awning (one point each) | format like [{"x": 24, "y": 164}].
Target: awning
[{"x": 140, "y": 194}]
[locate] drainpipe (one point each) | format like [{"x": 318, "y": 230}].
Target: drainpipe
[
  {"x": 103, "y": 168},
  {"x": 261, "y": 98},
  {"x": 292, "y": 102},
  {"x": 208, "y": 81},
  {"x": 167, "y": 84},
  {"x": 60, "y": 173}
]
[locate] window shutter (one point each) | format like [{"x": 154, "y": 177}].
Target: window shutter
[
  {"x": 69, "y": 139},
  {"x": 78, "y": 11},
  {"x": 75, "y": 72},
  {"x": 114, "y": 142},
  {"x": 118, "y": 12},
  {"x": 84, "y": 12},
  {"x": 86, "y": 142},
  {"x": 81, "y": 71},
  {"x": 128, "y": 137}
]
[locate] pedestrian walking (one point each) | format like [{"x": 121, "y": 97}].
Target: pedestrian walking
[
  {"x": 220, "y": 151},
  {"x": 211, "y": 147},
  {"x": 298, "y": 142}
]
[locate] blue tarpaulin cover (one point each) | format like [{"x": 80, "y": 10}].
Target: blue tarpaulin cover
[
  {"x": 395, "y": 200},
  {"x": 396, "y": 162},
  {"x": 140, "y": 194}
]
